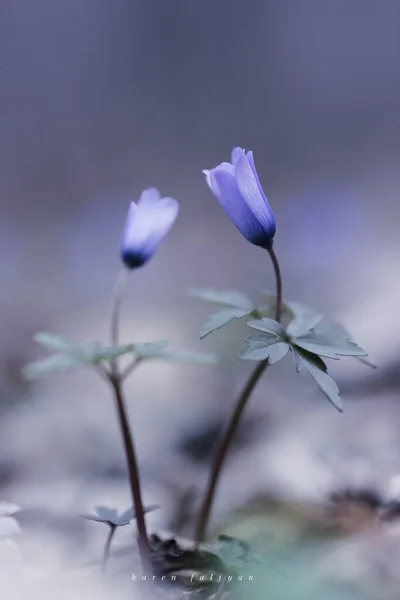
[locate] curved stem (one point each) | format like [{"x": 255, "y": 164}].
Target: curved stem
[
  {"x": 233, "y": 424},
  {"x": 133, "y": 470},
  {"x": 278, "y": 277},
  {"x": 107, "y": 548}
]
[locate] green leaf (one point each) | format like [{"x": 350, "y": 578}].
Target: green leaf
[
  {"x": 269, "y": 326},
  {"x": 274, "y": 351},
  {"x": 220, "y": 319},
  {"x": 49, "y": 366},
  {"x": 149, "y": 349},
  {"x": 318, "y": 371},
  {"x": 329, "y": 346},
  {"x": 56, "y": 343},
  {"x": 227, "y": 297},
  {"x": 302, "y": 325}
]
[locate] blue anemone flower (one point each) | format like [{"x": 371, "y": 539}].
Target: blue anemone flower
[
  {"x": 147, "y": 223},
  {"x": 237, "y": 188}
]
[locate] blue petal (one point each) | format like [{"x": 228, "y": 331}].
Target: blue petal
[
  {"x": 236, "y": 154},
  {"x": 251, "y": 190},
  {"x": 147, "y": 224},
  {"x": 149, "y": 195},
  {"x": 222, "y": 167},
  {"x": 226, "y": 191}
]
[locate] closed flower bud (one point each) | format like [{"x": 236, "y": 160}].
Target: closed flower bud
[
  {"x": 147, "y": 223},
  {"x": 237, "y": 188}
]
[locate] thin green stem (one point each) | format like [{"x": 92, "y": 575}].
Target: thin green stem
[
  {"x": 107, "y": 548},
  {"x": 235, "y": 419}
]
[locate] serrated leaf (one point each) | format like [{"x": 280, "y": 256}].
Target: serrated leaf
[
  {"x": 227, "y": 297},
  {"x": 328, "y": 327},
  {"x": 302, "y": 325},
  {"x": 273, "y": 352},
  {"x": 220, "y": 319},
  {"x": 269, "y": 326},
  {"x": 318, "y": 371},
  {"x": 55, "y": 342},
  {"x": 54, "y": 364},
  {"x": 329, "y": 346}
]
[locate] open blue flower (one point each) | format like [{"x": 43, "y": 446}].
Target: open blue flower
[
  {"x": 237, "y": 188},
  {"x": 147, "y": 223}
]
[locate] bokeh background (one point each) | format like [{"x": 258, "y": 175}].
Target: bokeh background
[{"x": 101, "y": 99}]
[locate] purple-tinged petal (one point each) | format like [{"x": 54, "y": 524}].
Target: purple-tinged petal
[
  {"x": 251, "y": 191},
  {"x": 207, "y": 174},
  {"x": 250, "y": 158},
  {"x": 147, "y": 224},
  {"x": 226, "y": 191},
  {"x": 149, "y": 195},
  {"x": 236, "y": 154},
  {"x": 226, "y": 167}
]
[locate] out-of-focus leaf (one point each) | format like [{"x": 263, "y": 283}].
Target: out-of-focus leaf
[
  {"x": 227, "y": 297},
  {"x": 318, "y": 371},
  {"x": 188, "y": 357},
  {"x": 150, "y": 349},
  {"x": 54, "y": 364},
  {"x": 269, "y": 326},
  {"x": 131, "y": 513},
  {"x": 56, "y": 343},
  {"x": 220, "y": 319},
  {"x": 95, "y": 353},
  {"x": 157, "y": 351},
  {"x": 110, "y": 516},
  {"x": 70, "y": 356}
]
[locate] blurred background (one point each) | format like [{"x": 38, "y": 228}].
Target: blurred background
[{"x": 99, "y": 100}]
